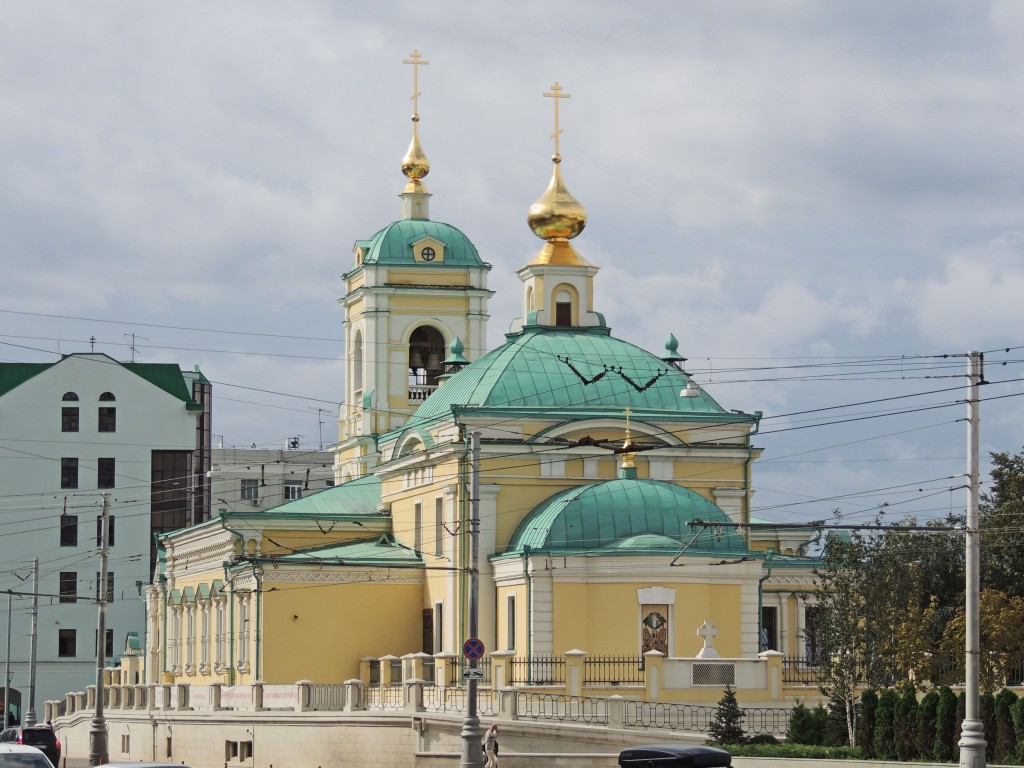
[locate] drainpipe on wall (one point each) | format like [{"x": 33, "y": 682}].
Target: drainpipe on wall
[{"x": 529, "y": 603}]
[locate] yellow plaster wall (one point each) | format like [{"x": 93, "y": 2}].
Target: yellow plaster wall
[
  {"x": 604, "y": 619},
  {"x": 426, "y": 276},
  {"x": 336, "y": 625}
]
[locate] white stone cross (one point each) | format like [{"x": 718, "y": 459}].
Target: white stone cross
[{"x": 708, "y": 632}]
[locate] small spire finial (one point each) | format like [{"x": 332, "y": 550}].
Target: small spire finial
[
  {"x": 416, "y": 59},
  {"x": 557, "y": 95},
  {"x": 628, "y": 449}
]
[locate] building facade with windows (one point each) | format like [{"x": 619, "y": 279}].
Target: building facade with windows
[
  {"x": 614, "y": 492},
  {"x": 247, "y": 479},
  {"x": 70, "y": 432}
]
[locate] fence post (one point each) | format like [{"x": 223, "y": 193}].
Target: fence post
[
  {"x": 386, "y": 678},
  {"x": 507, "y": 704},
  {"x": 443, "y": 668},
  {"x": 257, "y": 697},
  {"x": 773, "y": 673},
  {"x": 574, "y": 661},
  {"x": 616, "y": 712},
  {"x": 354, "y": 695},
  {"x": 364, "y": 669},
  {"x": 303, "y": 695},
  {"x": 414, "y": 696},
  {"x": 500, "y": 665},
  {"x": 653, "y": 665}
]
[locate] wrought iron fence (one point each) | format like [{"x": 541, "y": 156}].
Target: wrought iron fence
[
  {"x": 385, "y": 697},
  {"x": 800, "y": 671},
  {"x": 441, "y": 698},
  {"x": 697, "y": 718},
  {"x": 455, "y": 671},
  {"x": 553, "y": 706},
  {"x": 537, "y": 670},
  {"x": 613, "y": 670}
]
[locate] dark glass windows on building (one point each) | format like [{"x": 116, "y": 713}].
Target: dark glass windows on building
[
  {"x": 110, "y": 530},
  {"x": 108, "y": 646},
  {"x": 68, "y": 586},
  {"x": 110, "y": 587},
  {"x": 67, "y": 641},
  {"x": 68, "y": 473},
  {"x": 69, "y": 419},
  {"x": 69, "y": 530},
  {"x": 105, "y": 473}
]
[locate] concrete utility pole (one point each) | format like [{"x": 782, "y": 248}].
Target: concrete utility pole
[
  {"x": 30, "y": 714},
  {"x": 7, "y": 665},
  {"x": 98, "y": 729},
  {"x": 472, "y": 753},
  {"x": 972, "y": 739}
]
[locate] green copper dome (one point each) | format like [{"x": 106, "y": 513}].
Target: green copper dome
[
  {"x": 532, "y": 375},
  {"x": 626, "y": 516},
  {"x": 393, "y": 245}
]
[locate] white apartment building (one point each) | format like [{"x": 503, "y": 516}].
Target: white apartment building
[
  {"x": 257, "y": 478},
  {"x": 71, "y": 431}
]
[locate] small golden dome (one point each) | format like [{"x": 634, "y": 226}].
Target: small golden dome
[
  {"x": 557, "y": 215},
  {"x": 415, "y": 164}
]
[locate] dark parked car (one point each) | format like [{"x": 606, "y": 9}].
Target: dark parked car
[
  {"x": 41, "y": 737},
  {"x": 674, "y": 756}
]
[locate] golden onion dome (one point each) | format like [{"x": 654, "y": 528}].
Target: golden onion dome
[
  {"x": 415, "y": 164},
  {"x": 557, "y": 215}
]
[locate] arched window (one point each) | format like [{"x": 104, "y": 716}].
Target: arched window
[
  {"x": 106, "y": 397},
  {"x": 108, "y": 414},
  {"x": 69, "y": 413},
  {"x": 563, "y": 308},
  {"x": 70, "y": 397},
  {"x": 357, "y": 362},
  {"x": 426, "y": 351}
]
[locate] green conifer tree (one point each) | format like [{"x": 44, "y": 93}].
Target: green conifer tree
[
  {"x": 885, "y": 734},
  {"x": 905, "y": 725},
  {"x": 927, "y": 711},
  {"x": 727, "y": 723},
  {"x": 1005, "y": 747},
  {"x": 946, "y": 726},
  {"x": 866, "y": 722}
]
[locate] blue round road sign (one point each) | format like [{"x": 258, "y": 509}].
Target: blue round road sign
[{"x": 473, "y": 649}]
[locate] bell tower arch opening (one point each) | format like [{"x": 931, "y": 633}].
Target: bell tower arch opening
[{"x": 426, "y": 351}]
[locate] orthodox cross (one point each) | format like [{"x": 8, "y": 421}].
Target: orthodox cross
[
  {"x": 557, "y": 95},
  {"x": 415, "y": 58}
]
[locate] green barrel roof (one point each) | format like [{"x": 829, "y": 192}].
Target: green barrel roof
[
  {"x": 529, "y": 374},
  {"x": 393, "y": 245},
  {"x": 626, "y": 516}
]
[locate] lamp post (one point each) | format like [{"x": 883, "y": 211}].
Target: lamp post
[
  {"x": 472, "y": 755},
  {"x": 98, "y": 729},
  {"x": 972, "y": 739}
]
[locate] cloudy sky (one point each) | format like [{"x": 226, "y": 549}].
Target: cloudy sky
[{"x": 822, "y": 200}]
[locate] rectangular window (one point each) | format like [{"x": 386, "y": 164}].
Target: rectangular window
[
  {"x": 110, "y": 586},
  {"x": 110, "y": 530},
  {"x": 68, "y": 586},
  {"x": 250, "y": 490},
  {"x": 438, "y": 627},
  {"x": 67, "y": 641},
  {"x": 69, "y": 530},
  {"x": 108, "y": 420},
  {"x": 292, "y": 491},
  {"x": 438, "y": 527},
  {"x": 108, "y": 648},
  {"x": 769, "y": 629},
  {"x": 104, "y": 473},
  {"x": 170, "y": 507},
  {"x": 329, "y": 482},
  {"x": 417, "y": 532},
  {"x": 510, "y": 624},
  {"x": 68, "y": 419},
  {"x": 69, "y": 473}
]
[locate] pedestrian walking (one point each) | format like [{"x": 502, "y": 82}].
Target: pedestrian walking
[{"x": 491, "y": 746}]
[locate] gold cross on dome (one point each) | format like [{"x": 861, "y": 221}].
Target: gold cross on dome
[
  {"x": 557, "y": 95},
  {"x": 628, "y": 411},
  {"x": 415, "y": 58}
]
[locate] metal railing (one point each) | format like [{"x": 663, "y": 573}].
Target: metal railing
[
  {"x": 697, "y": 718},
  {"x": 385, "y": 697},
  {"x": 442, "y": 698},
  {"x": 327, "y": 697},
  {"x": 537, "y": 670},
  {"x": 553, "y": 706},
  {"x": 613, "y": 670},
  {"x": 797, "y": 670}
]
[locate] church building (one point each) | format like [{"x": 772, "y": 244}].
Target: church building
[{"x": 614, "y": 491}]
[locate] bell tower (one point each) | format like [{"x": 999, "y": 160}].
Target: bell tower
[{"x": 414, "y": 288}]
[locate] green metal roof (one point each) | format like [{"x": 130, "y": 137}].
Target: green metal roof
[
  {"x": 166, "y": 376},
  {"x": 528, "y": 374},
  {"x": 626, "y": 516},
  {"x": 357, "y": 497},
  {"x": 16, "y": 374},
  {"x": 380, "y": 550},
  {"x": 393, "y": 245}
]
